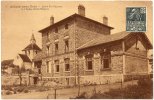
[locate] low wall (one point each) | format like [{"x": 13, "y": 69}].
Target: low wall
[
  {"x": 14, "y": 80},
  {"x": 135, "y": 77},
  {"x": 101, "y": 79},
  {"x": 90, "y": 79}
]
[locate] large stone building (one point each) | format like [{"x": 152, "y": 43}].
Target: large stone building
[{"x": 80, "y": 50}]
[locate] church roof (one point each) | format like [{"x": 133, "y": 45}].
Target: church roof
[
  {"x": 112, "y": 38},
  {"x": 25, "y": 58},
  {"x": 32, "y": 47},
  {"x": 72, "y": 17}
]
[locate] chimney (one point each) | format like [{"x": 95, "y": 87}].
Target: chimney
[
  {"x": 105, "y": 20},
  {"x": 81, "y": 10},
  {"x": 51, "y": 20}
]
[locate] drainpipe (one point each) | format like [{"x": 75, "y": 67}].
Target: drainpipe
[
  {"x": 75, "y": 52},
  {"x": 123, "y": 59}
]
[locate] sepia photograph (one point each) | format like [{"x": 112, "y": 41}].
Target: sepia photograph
[{"x": 76, "y": 50}]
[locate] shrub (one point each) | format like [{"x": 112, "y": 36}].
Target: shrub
[
  {"x": 8, "y": 92},
  {"x": 82, "y": 96},
  {"x": 20, "y": 89},
  {"x": 26, "y": 91}
]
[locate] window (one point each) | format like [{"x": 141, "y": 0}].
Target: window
[
  {"x": 47, "y": 35},
  {"x": 67, "y": 64},
  {"x": 17, "y": 57},
  {"x": 137, "y": 48},
  {"x": 66, "y": 46},
  {"x": 47, "y": 63},
  {"x": 56, "y": 30},
  {"x": 48, "y": 50},
  {"x": 56, "y": 48},
  {"x": 106, "y": 63},
  {"x": 89, "y": 62},
  {"x": 105, "y": 60},
  {"x": 66, "y": 26},
  {"x": 56, "y": 65},
  {"x": 29, "y": 52}
]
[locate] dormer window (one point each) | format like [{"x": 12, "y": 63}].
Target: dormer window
[
  {"x": 66, "y": 26},
  {"x": 56, "y": 30}
]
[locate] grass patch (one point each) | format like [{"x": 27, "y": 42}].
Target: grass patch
[{"x": 143, "y": 90}]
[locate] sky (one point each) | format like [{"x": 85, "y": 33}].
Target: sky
[{"x": 21, "y": 19}]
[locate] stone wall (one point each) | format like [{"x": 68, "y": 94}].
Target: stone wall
[
  {"x": 87, "y": 31},
  {"x": 59, "y": 38},
  {"x": 62, "y": 72},
  {"x": 135, "y": 56},
  {"x": 136, "y": 65},
  {"x": 116, "y": 65},
  {"x": 101, "y": 79}
]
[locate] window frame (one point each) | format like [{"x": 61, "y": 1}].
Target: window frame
[
  {"x": 89, "y": 58},
  {"x": 48, "y": 49},
  {"x": 57, "y": 65},
  {"x": 47, "y": 63},
  {"x": 56, "y": 48},
  {"x": 66, "y": 26},
  {"x": 105, "y": 56},
  {"x": 66, "y": 46},
  {"x": 67, "y": 62}
]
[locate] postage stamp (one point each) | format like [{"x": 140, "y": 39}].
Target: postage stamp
[{"x": 136, "y": 19}]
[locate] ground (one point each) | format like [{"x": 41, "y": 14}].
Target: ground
[{"x": 67, "y": 92}]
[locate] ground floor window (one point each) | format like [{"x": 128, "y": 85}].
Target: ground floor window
[
  {"x": 89, "y": 62},
  {"x": 67, "y": 81},
  {"x": 106, "y": 63},
  {"x": 56, "y": 65},
  {"x": 47, "y": 66},
  {"x": 105, "y": 60}
]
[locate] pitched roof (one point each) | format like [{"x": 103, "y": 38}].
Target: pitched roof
[
  {"x": 25, "y": 58},
  {"x": 111, "y": 38},
  {"x": 72, "y": 17},
  {"x": 7, "y": 62},
  {"x": 39, "y": 56},
  {"x": 32, "y": 47}
]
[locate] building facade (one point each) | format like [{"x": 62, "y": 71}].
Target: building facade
[{"x": 79, "y": 50}]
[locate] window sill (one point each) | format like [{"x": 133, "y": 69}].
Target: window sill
[
  {"x": 89, "y": 70},
  {"x": 56, "y": 72},
  {"x": 67, "y": 71},
  {"x": 106, "y": 69}
]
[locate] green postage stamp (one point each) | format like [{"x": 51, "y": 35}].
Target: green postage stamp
[{"x": 136, "y": 19}]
